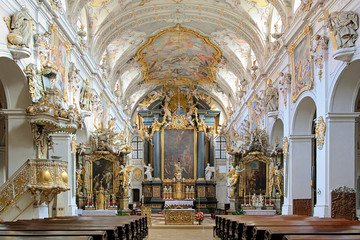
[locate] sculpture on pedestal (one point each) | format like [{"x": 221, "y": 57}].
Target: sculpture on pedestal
[
  {"x": 344, "y": 26},
  {"x": 148, "y": 172},
  {"x": 21, "y": 28},
  {"x": 208, "y": 172},
  {"x": 271, "y": 97},
  {"x": 85, "y": 97}
]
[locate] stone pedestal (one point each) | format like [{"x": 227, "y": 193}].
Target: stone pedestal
[{"x": 124, "y": 204}]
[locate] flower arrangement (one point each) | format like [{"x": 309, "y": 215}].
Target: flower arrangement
[
  {"x": 167, "y": 206},
  {"x": 199, "y": 217}
]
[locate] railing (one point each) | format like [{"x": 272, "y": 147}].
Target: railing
[{"x": 42, "y": 177}]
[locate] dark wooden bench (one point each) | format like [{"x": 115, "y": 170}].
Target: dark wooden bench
[
  {"x": 277, "y": 233},
  {"x": 96, "y": 235},
  {"x": 321, "y": 237},
  {"x": 129, "y": 227},
  {"x": 249, "y": 233},
  {"x": 46, "y": 238},
  {"x": 231, "y": 226},
  {"x": 111, "y": 231}
]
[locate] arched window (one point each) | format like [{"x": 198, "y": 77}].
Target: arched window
[
  {"x": 220, "y": 143},
  {"x": 138, "y": 148}
]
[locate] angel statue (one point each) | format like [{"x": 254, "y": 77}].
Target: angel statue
[
  {"x": 148, "y": 173},
  {"x": 233, "y": 175},
  {"x": 208, "y": 172},
  {"x": 276, "y": 179},
  {"x": 126, "y": 170}
]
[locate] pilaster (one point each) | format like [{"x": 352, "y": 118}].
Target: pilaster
[{"x": 62, "y": 150}]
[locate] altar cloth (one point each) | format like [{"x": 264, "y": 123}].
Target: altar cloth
[
  {"x": 179, "y": 203},
  {"x": 260, "y": 212},
  {"x": 98, "y": 212}
]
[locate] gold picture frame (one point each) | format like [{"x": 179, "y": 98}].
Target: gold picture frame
[{"x": 302, "y": 69}]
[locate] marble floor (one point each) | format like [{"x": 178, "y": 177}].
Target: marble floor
[{"x": 181, "y": 234}]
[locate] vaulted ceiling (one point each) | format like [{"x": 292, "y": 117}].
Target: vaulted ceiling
[{"x": 241, "y": 29}]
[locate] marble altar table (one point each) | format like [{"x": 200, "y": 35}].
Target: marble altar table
[{"x": 179, "y": 216}]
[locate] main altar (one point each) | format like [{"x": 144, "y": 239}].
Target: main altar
[{"x": 178, "y": 127}]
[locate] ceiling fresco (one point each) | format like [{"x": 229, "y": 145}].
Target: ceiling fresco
[
  {"x": 179, "y": 56},
  {"x": 130, "y": 40}
]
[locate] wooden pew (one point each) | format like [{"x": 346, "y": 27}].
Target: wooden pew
[
  {"x": 111, "y": 231},
  {"x": 321, "y": 237},
  {"x": 95, "y": 235},
  {"x": 231, "y": 226},
  {"x": 249, "y": 233},
  {"x": 45, "y": 238},
  {"x": 277, "y": 233},
  {"x": 129, "y": 227}
]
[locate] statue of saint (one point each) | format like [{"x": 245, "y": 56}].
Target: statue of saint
[
  {"x": 344, "y": 25},
  {"x": 276, "y": 178},
  {"x": 271, "y": 97},
  {"x": 21, "y": 28},
  {"x": 208, "y": 172},
  {"x": 148, "y": 173},
  {"x": 85, "y": 97}
]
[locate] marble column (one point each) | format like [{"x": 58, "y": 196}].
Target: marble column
[
  {"x": 201, "y": 155},
  {"x": 62, "y": 149},
  {"x": 156, "y": 155},
  {"x": 146, "y": 152},
  {"x": 211, "y": 152}
]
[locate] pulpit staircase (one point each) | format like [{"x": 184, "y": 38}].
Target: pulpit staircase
[{"x": 35, "y": 182}]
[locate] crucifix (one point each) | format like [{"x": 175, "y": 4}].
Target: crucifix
[{"x": 331, "y": 30}]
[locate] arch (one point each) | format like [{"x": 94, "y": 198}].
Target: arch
[
  {"x": 302, "y": 121},
  {"x": 277, "y": 132},
  {"x": 15, "y": 84},
  {"x": 346, "y": 88}
]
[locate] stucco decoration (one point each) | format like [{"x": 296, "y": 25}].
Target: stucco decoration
[{"x": 320, "y": 132}]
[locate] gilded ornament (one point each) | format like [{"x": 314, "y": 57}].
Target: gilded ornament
[
  {"x": 285, "y": 146},
  {"x": 320, "y": 132},
  {"x": 46, "y": 175},
  {"x": 64, "y": 177}
]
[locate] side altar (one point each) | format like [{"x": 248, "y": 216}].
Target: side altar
[{"x": 178, "y": 126}]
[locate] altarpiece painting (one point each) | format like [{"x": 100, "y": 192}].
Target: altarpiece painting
[
  {"x": 256, "y": 177},
  {"x": 179, "y": 145}
]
